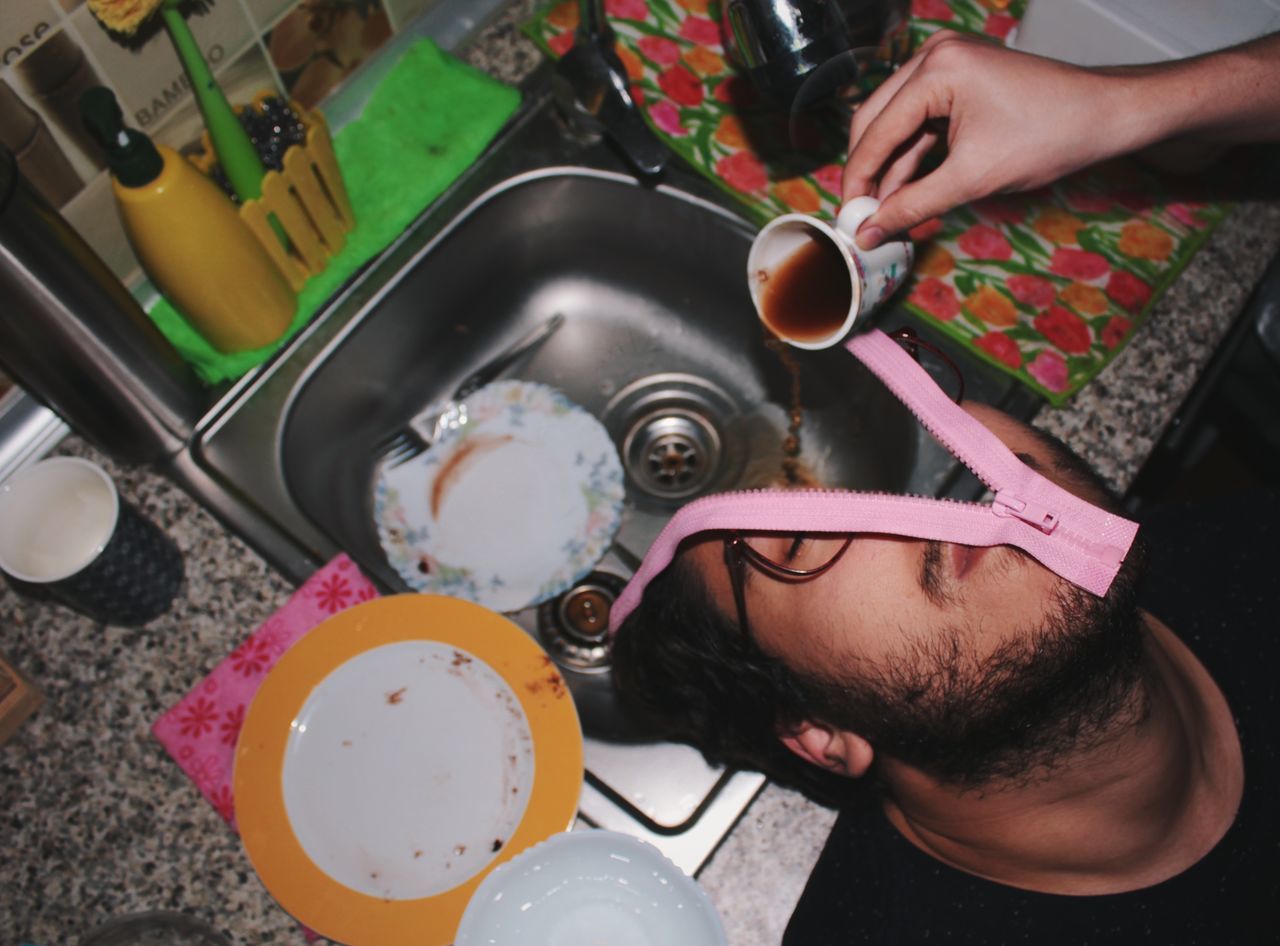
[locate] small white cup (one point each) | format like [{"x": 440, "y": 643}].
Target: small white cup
[
  {"x": 58, "y": 516},
  {"x": 65, "y": 533},
  {"x": 810, "y": 281}
]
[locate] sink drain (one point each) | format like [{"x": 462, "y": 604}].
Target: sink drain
[
  {"x": 672, "y": 453},
  {"x": 670, "y": 428},
  {"x": 574, "y": 628}
]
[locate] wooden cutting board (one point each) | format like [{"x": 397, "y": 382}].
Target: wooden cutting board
[{"x": 18, "y": 699}]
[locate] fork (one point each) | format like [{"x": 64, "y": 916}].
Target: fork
[{"x": 409, "y": 441}]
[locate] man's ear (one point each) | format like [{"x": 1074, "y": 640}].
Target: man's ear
[{"x": 836, "y": 750}]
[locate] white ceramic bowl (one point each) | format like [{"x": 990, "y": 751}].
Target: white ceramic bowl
[{"x": 585, "y": 888}]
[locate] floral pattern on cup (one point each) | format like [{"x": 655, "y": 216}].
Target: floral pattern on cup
[{"x": 1102, "y": 244}]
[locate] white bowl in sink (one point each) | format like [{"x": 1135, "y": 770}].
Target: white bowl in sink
[{"x": 589, "y": 888}]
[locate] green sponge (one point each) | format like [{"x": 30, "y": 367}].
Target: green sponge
[{"x": 426, "y": 123}]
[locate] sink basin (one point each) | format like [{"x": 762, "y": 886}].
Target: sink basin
[{"x": 660, "y": 342}]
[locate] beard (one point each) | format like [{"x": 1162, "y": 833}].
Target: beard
[{"x": 1013, "y": 715}]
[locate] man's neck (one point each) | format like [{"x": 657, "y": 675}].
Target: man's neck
[{"x": 1133, "y": 808}]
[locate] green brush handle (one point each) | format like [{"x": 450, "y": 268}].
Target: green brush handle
[{"x": 236, "y": 153}]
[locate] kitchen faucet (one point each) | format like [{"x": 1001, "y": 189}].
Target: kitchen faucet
[{"x": 592, "y": 86}]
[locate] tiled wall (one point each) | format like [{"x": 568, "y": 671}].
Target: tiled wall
[{"x": 51, "y": 50}]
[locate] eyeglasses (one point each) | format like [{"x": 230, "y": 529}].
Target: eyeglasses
[{"x": 738, "y": 552}]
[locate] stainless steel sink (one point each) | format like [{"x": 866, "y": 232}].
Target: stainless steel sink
[{"x": 660, "y": 342}]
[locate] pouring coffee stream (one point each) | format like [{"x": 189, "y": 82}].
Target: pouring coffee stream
[{"x": 792, "y": 472}]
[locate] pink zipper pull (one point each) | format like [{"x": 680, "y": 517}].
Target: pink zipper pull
[{"x": 1033, "y": 513}]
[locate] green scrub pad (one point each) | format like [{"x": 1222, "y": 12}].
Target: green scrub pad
[{"x": 428, "y": 120}]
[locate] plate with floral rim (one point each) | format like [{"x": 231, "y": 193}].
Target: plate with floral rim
[{"x": 509, "y": 508}]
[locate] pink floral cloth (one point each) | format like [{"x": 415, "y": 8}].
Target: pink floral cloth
[
  {"x": 200, "y": 731},
  {"x": 1045, "y": 286}
]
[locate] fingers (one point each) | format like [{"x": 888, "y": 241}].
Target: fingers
[
  {"x": 914, "y": 105},
  {"x": 889, "y": 140},
  {"x": 903, "y": 166},
  {"x": 914, "y": 203},
  {"x": 891, "y": 118},
  {"x": 854, "y": 181},
  {"x": 901, "y": 170}
]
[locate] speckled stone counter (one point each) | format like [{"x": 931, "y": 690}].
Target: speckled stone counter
[{"x": 97, "y": 821}]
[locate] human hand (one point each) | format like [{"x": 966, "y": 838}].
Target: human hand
[{"x": 1011, "y": 121}]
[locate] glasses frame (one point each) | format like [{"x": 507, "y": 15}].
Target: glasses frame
[{"x": 738, "y": 552}]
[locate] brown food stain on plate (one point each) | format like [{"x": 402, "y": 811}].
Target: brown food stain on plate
[
  {"x": 395, "y": 696},
  {"x": 452, "y": 468},
  {"x": 552, "y": 681}
]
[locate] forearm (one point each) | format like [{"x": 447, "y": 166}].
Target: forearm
[{"x": 1228, "y": 97}]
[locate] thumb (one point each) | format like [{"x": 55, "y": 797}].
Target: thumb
[{"x": 911, "y": 205}]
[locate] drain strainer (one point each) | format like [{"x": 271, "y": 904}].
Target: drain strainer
[
  {"x": 670, "y": 428},
  {"x": 672, "y": 453}
]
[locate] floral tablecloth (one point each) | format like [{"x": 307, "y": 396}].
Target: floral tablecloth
[{"x": 1047, "y": 286}]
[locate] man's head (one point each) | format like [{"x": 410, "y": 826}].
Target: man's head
[{"x": 968, "y": 664}]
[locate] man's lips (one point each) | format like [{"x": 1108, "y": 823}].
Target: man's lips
[{"x": 965, "y": 557}]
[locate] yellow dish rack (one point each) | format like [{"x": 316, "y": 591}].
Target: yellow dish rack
[{"x": 304, "y": 204}]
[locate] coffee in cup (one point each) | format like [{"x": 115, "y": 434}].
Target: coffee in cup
[{"x": 811, "y": 282}]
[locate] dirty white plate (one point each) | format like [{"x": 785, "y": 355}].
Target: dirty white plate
[
  {"x": 509, "y": 509},
  {"x": 393, "y": 757},
  {"x": 584, "y": 888}
]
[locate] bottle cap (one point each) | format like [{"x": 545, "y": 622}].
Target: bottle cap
[{"x": 133, "y": 159}]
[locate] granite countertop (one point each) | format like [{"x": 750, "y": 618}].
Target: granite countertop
[{"x": 98, "y": 821}]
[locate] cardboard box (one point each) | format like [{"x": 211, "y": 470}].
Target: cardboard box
[{"x": 18, "y": 699}]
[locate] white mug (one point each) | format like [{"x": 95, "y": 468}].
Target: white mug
[
  {"x": 66, "y": 533},
  {"x": 810, "y": 281}
]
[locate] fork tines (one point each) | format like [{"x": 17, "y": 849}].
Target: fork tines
[{"x": 401, "y": 447}]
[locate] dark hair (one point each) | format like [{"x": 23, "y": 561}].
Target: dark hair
[
  {"x": 684, "y": 664},
  {"x": 686, "y": 668}
]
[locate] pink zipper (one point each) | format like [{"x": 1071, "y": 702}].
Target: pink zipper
[{"x": 1073, "y": 538}]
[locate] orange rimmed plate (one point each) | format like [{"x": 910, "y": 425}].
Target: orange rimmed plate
[{"x": 396, "y": 755}]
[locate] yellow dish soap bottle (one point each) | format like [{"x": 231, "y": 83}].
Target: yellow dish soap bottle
[{"x": 189, "y": 237}]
